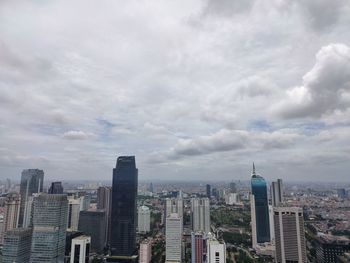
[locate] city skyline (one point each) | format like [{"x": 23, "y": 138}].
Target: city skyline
[{"x": 179, "y": 85}]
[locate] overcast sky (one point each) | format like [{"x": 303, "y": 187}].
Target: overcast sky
[{"x": 195, "y": 89}]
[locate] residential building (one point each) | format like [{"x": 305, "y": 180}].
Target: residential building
[
  {"x": 173, "y": 238},
  {"x": 145, "y": 251},
  {"x": 200, "y": 211},
  {"x": 144, "y": 219}
]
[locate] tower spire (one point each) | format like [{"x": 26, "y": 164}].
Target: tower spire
[{"x": 253, "y": 173}]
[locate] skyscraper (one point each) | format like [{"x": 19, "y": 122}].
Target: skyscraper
[
  {"x": 31, "y": 182},
  {"x": 289, "y": 235},
  {"x": 17, "y": 244},
  {"x": 174, "y": 205},
  {"x": 276, "y": 192},
  {"x": 124, "y": 193},
  {"x": 93, "y": 224},
  {"x": 233, "y": 188},
  {"x": 80, "y": 249},
  {"x": 145, "y": 251},
  {"x": 11, "y": 213},
  {"x": 216, "y": 250},
  {"x": 208, "y": 190},
  {"x": 73, "y": 213},
  {"x": 144, "y": 219},
  {"x": 104, "y": 201},
  {"x": 173, "y": 238},
  {"x": 49, "y": 228},
  {"x": 56, "y": 188},
  {"x": 197, "y": 247},
  {"x": 200, "y": 212},
  {"x": 259, "y": 210}
]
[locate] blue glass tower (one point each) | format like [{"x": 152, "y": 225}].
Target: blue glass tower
[
  {"x": 123, "y": 217},
  {"x": 261, "y": 205}
]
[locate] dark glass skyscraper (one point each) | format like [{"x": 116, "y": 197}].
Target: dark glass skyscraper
[
  {"x": 123, "y": 217},
  {"x": 260, "y": 209},
  {"x": 31, "y": 182},
  {"x": 56, "y": 188}
]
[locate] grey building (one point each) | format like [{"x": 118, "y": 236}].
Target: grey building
[
  {"x": 104, "y": 201},
  {"x": 49, "y": 228},
  {"x": 276, "y": 191},
  {"x": 93, "y": 224},
  {"x": 329, "y": 247},
  {"x": 56, "y": 188},
  {"x": 17, "y": 244},
  {"x": 31, "y": 182},
  {"x": 289, "y": 235},
  {"x": 124, "y": 220}
]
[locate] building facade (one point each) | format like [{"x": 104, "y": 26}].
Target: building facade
[
  {"x": 276, "y": 191},
  {"x": 17, "y": 243},
  {"x": 123, "y": 217},
  {"x": 198, "y": 246},
  {"x": 200, "y": 211},
  {"x": 145, "y": 251},
  {"x": 31, "y": 182},
  {"x": 259, "y": 210},
  {"x": 216, "y": 250},
  {"x": 56, "y": 188},
  {"x": 73, "y": 213},
  {"x": 330, "y": 247},
  {"x": 173, "y": 238},
  {"x": 144, "y": 219},
  {"x": 11, "y": 214},
  {"x": 289, "y": 235},
  {"x": 80, "y": 249},
  {"x": 49, "y": 228}
]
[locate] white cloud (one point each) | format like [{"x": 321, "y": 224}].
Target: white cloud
[{"x": 76, "y": 135}]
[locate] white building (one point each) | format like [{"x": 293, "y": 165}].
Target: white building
[
  {"x": 173, "y": 238},
  {"x": 144, "y": 219},
  {"x": 11, "y": 214},
  {"x": 231, "y": 199},
  {"x": 289, "y": 235},
  {"x": 174, "y": 206},
  {"x": 74, "y": 207},
  {"x": 81, "y": 243},
  {"x": 216, "y": 250},
  {"x": 145, "y": 251},
  {"x": 200, "y": 211}
]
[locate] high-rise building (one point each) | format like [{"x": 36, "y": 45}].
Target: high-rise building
[
  {"x": 259, "y": 210},
  {"x": 173, "y": 238},
  {"x": 28, "y": 211},
  {"x": 342, "y": 193},
  {"x": 276, "y": 191},
  {"x": 74, "y": 204},
  {"x": 93, "y": 224},
  {"x": 173, "y": 205},
  {"x": 216, "y": 250},
  {"x": 150, "y": 188},
  {"x": 145, "y": 251},
  {"x": 56, "y": 188},
  {"x": 124, "y": 194},
  {"x": 49, "y": 228},
  {"x": 104, "y": 201},
  {"x": 31, "y": 182},
  {"x": 200, "y": 211},
  {"x": 197, "y": 247},
  {"x": 80, "y": 249},
  {"x": 208, "y": 190},
  {"x": 289, "y": 235},
  {"x": 144, "y": 219},
  {"x": 17, "y": 244},
  {"x": 11, "y": 213},
  {"x": 329, "y": 247}
]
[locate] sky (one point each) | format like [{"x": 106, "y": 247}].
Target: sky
[{"x": 195, "y": 89}]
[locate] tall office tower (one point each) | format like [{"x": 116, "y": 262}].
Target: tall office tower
[
  {"x": 329, "y": 247},
  {"x": 73, "y": 213},
  {"x": 144, "y": 219},
  {"x": 197, "y": 247},
  {"x": 289, "y": 235},
  {"x": 31, "y": 182},
  {"x": 104, "y": 201},
  {"x": 342, "y": 193},
  {"x": 56, "y": 188},
  {"x": 49, "y": 228},
  {"x": 145, "y": 251},
  {"x": 17, "y": 244},
  {"x": 208, "y": 190},
  {"x": 173, "y": 238},
  {"x": 150, "y": 188},
  {"x": 11, "y": 213},
  {"x": 85, "y": 200},
  {"x": 200, "y": 211},
  {"x": 174, "y": 206},
  {"x": 80, "y": 249},
  {"x": 124, "y": 193},
  {"x": 259, "y": 210},
  {"x": 233, "y": 188},
  {"x": 92, "y": 223},
  {"x": 276, "y": 192},
  {"x": 216, "y": 250}
]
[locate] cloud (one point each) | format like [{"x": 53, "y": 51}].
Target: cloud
[
  {"x": 77, "y": 135},
  {"x": 325, "y": 88}
]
